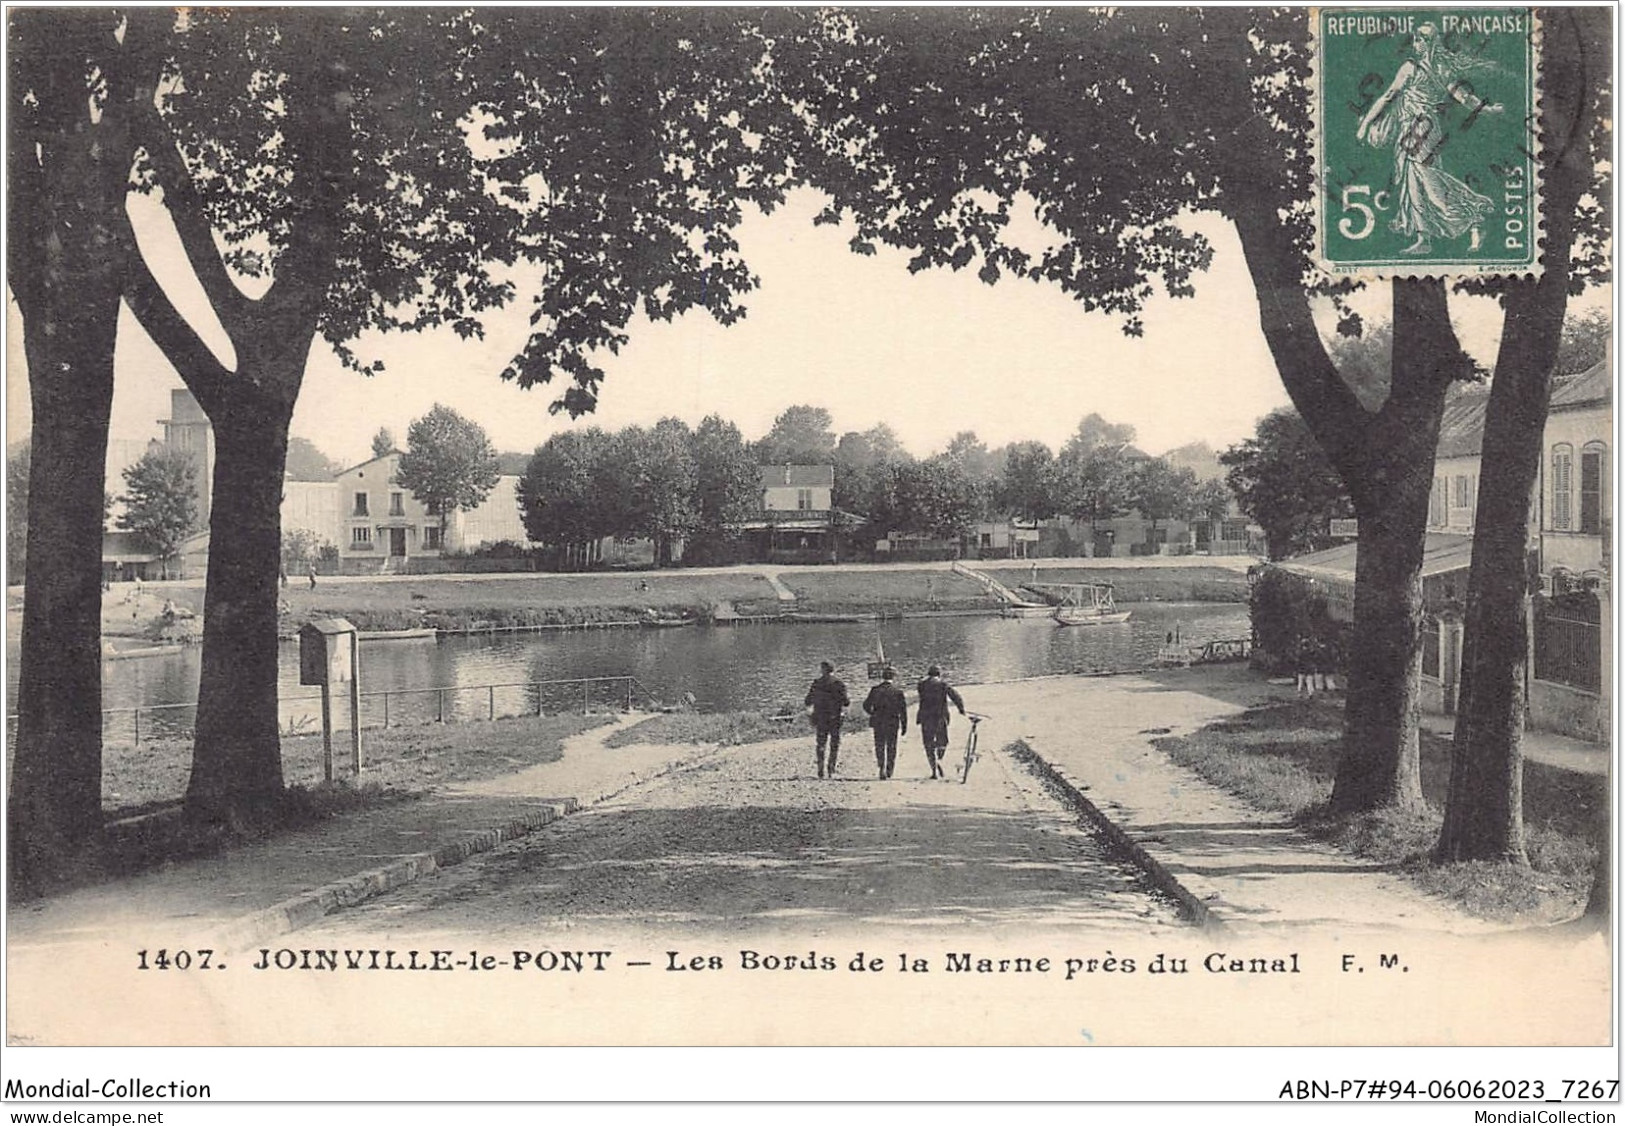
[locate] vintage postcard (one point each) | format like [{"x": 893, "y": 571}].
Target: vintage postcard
[{"x": 812, "y": 528}]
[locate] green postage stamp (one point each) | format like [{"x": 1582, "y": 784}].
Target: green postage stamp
[{"x": 1426, "y": 141}]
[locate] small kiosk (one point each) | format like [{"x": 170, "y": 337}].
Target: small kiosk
[{"x": 330, "y": 655}]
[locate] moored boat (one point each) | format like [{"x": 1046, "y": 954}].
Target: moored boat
[
  {"x": 420, "y": 633},
  {"x": 1089, "y": 604},
  {"x": 654, "y": 621}
]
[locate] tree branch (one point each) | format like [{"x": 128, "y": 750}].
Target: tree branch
[
  {"x": 318, "y": 128},
  {"x": 1340, "y": 424},
  {"x": 205, "y": 375},
  {"x": 191, "y": 220}
]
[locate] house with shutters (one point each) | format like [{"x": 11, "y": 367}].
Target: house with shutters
[
  {"x": 381, "y": 525},
  {"x": 1570, "y": 654},
  {"x": 1574, "y": 499}
]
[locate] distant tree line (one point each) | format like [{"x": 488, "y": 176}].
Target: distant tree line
[
  {"x": 665, "y": 482},
  {"x": 669, "y": 482}
]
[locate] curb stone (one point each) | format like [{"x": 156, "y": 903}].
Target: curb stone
[
  {"x": 307, "y": 907},
  {"x": 1192, "y": 908}
]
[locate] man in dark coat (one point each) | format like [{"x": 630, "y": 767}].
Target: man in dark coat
[
  {"x": 888, "y": 715},
  {"x": 935, "y": 693},
  {"x": 828, "y": 699}
]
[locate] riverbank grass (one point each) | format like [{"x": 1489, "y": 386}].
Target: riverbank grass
[
  {"x": 1283, "y": 757},
  {"x": 1148, "y": 583},
  {"x": 409, "y": 759},
  {"x": 143, "y": 786}
]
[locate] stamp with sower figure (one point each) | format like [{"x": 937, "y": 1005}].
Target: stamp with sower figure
[{"x": 1427, "y": 141}]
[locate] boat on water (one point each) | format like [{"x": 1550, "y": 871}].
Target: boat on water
[
  {"x": 420, "y": 633},
  {"x": 1028, "y": 610},
  {"x": 879, "y": 664},
  {"x": 652, "y": 620},
  {"x": 1089, "y": 604}
]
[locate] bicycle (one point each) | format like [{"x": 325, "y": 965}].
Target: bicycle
[{"x": 970, "y": 747}]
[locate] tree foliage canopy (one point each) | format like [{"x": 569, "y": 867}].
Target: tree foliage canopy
[
  {"x": 449, "y": 464},
  {"x": 1030, "y": 486},
  {"x": 161, "y": 499},
  {"x": 727, "y": 484},
  {"x": 801, "y": 435},
  {"x": 1282, "y": 479},
  {"x": 307, "y": 463}
]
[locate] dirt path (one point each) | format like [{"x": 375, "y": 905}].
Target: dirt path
[{"x": 748, "y": 842}]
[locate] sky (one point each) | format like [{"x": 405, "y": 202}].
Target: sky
[{"x": 929, "y": 354}]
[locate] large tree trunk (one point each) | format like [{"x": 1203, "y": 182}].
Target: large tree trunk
[
  {"x": 55, "y": 814},
  {"x": 1380, "y": 764},
  {"x": 237, "y": 753},
  {"x": 1484, "y": 812},
  {"x": 1484, "y": 808},
  {"x": 236, "y": 756},
  {"x": 1385, "y": 460},
  {"x": 69, "y": 240}
]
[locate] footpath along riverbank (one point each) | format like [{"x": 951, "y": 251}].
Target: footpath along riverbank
[
  {"x": 1242, "y": 877},
  {"x": 455, "y": 603},
  {"x": 1236, "y": 866}
]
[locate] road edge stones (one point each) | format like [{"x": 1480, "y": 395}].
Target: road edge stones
[
  {"x": 1192, "y": 909},
  {"x": 305, "y": 908}
]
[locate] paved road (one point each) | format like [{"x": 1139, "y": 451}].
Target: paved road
[{"x": 748, "y": 843}]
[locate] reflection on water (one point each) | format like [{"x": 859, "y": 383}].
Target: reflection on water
[{"x": 731, "y": 667}]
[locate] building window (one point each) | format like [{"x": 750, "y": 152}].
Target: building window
[
  {"x": 1562, "y": 487},
  {"x": 396, "y": 506},
  {"x": 804, "y": 499},
  {"x": 1438, "y": 503},
  {"x": 1591, "y": 466},
  {"x": 361, "y": 537},
  {"x": 1464, "y": 490},
  {"x": 360, "y": 508},
  {"x": 431, "y": 538}
]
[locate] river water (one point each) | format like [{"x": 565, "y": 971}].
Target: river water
[{"x": 748, "y": 667}]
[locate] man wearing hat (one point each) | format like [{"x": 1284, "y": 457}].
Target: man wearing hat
[
  {"x": 827, "y": 699},
  {"x": 888, "y": 714},
  {"x": 933, "y": 718}
]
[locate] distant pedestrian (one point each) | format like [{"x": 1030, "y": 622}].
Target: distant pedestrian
[
  {"x": 888, "y": 715},
  {"x": 282, "y": 573},
  {"x": 1304, "y": 665},
  {"x": 935, "y": 694},
  {"x": 1032, "y": 576},
  {"x": 311, "y": 571},
  {"x": 1326, "y": 663},
  {"x": 827, "y": 700}
]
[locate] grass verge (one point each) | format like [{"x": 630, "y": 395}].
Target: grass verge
[
  {"x": 1283, "y": 757},
  {"x": 154, "y": 773},
  {"x": 143, "y": 787}
]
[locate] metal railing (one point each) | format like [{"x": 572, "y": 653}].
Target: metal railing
[
  {"x": 1568, "y": 651},
  {"x": 536, "y": 697}
]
